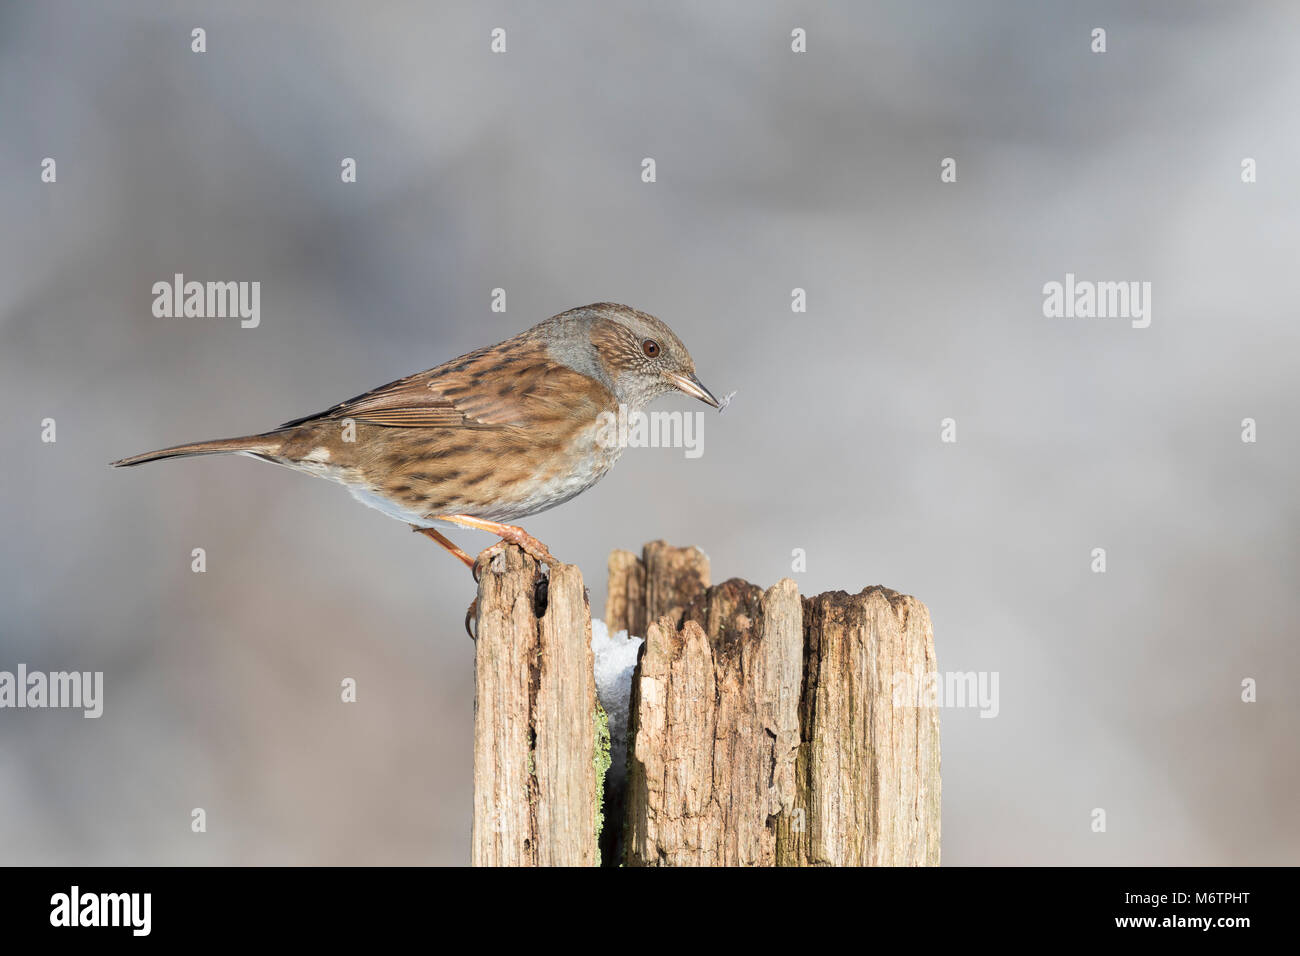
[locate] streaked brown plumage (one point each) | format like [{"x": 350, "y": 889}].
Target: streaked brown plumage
[{"x": 504, "y": 432}]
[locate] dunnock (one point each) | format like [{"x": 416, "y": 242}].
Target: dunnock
[{"x": 504, "y": 432}]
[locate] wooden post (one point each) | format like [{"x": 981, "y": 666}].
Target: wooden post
[
  {"x": 664, "y": 580},
  {"x": 715, "y": 730},
  {"x": 868, "y": 774},
  {"x": 765, "y": 729},
  {"x": 625, "y": 600},
  {"x": 679, "y": 576},
  {"x": 536, "y": 718}
]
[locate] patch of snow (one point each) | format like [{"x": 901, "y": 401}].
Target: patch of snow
[{"x": 615, "y": 661}]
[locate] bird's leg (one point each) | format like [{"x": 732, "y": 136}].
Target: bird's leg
[
  {"x": 463, "y": 557},
  {"x": 508, "y": 533},
  {"x": 475, "y": 563},
  {"x": 448, "y": 544}
]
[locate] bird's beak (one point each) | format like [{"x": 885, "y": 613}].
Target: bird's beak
[{"x": 694, "y": 387}]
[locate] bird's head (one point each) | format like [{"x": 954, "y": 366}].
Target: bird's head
[{"x": 638, "y": 356}]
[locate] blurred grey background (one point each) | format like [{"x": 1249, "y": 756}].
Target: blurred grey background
[{"x": 775, "y": 171}]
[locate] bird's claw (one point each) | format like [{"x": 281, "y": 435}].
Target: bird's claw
[{"x": 485, "y": 558}]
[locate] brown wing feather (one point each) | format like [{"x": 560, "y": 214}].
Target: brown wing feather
[{"x": 510, "y": 384}]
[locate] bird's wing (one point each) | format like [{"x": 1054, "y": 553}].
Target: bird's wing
[
  {"x": 409, "y": 402},
  {"x": 511, "y": 384}
]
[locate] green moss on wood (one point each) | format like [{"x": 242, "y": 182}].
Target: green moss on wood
[{"x": 600, "y": 760}]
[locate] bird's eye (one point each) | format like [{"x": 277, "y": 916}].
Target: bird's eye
[{"x": 651, "y": 348}]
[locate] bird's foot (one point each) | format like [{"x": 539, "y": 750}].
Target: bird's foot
[
  {"x": 508, "y": 533},
  {"x": 532, "y": 547}
]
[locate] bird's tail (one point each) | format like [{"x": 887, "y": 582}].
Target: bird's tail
[{"x": 267, "y": 445}]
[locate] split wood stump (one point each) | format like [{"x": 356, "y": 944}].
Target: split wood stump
[
  {"x": 763, "y": 727},
  {"x": 535, "y": 717}
]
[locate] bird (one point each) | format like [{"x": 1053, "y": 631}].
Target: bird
[{"x": 496, "y": 435}]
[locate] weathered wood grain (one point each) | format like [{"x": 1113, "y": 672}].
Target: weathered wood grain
[
  {"x": 868, "y": 772},
  {"x": 662, "y": 581},
  {"x": 535, "y": 700},
  {"x": 674, "y": 578},
  {"x": 764, "y": 731},
  {"x": 715, "y": 732},
  {"x": 625, "y": 598},
  {"x": 764, "y": 727},
  {"x": 565, "y": 731}
]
